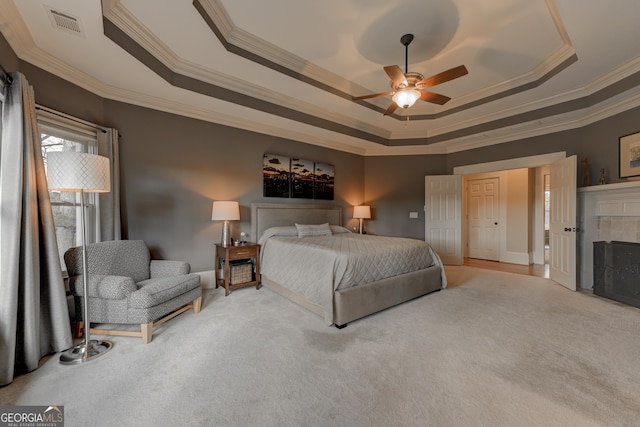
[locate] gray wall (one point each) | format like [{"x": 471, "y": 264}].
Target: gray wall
[
  {"x": 394, "y": 186},
  {"x": 173, "y": 168}
]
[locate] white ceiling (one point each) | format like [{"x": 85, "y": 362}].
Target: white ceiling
[{"x": 535, "y": 66}]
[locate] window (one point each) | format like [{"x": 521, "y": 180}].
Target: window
[{"x": 58, "y": 135}]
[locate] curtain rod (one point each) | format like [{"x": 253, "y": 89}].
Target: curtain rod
[{"x": 68, "y": 117}]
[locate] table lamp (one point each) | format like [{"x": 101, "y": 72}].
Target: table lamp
[
  {"x": 361, "y": 212},
  {"x": 225, "y": 211}
]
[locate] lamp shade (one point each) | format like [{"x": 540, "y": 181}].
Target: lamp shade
[
  {"x": 406, "y": 98},
  {"x": 227, "y": 211},
  {"x": 363, "y": 212},
  {"x": 73, "y": 171}
]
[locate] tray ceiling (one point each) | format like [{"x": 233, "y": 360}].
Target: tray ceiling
[{"x": 289, "y": 68}]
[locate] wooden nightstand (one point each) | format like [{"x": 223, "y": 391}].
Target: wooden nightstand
[{"x": 224, "y": 255}]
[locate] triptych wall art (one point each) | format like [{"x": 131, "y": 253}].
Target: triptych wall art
[{"x": 297, "y": 178}]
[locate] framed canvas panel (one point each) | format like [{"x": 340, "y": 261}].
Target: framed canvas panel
[
  {"x": 276, "y": 176},
  {"x": 302, "y": 179},
  {"x": 630, "y": 155},
  {"x": 324, "y": 181}
]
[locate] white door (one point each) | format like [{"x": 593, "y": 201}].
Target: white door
[
  {"x": 443, "y": 216},
  {"x": 562, "y": 223},
  {"x": 483, "y": 216}
]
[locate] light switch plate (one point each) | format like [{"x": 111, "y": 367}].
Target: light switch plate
[{"x": 413, "y": 214}]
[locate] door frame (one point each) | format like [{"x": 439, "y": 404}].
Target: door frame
[{"x": 504, "y": 165}]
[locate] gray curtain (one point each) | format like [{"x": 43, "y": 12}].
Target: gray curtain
[
  {"x": 34, "y": 318},
  {"x": 108, "y": 209}
]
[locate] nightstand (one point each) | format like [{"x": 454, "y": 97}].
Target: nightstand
[{"x": 224, "y": 255}]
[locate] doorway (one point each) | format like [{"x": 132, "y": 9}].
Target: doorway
[
  {"x": 562, "y": 228},
  {"x": 533, "y": 260}
]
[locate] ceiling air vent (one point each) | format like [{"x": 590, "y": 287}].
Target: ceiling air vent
[{"x": 65, "y": 22}]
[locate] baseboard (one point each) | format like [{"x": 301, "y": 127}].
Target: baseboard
[
  {"x": 207, "y": 279},
  {"x": 522, "y": 258}
]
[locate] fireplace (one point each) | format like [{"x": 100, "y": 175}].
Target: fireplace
[{"x": 616, "y": 271}]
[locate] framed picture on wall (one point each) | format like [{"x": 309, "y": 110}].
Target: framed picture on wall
[
  {"x": 275, "y": 176},
  {"x": 324, "y": 181},
  {"x": 301, "y": 179},
  {"x": 630, "y": 155}
]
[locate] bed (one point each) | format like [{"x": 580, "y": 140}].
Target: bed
[{"x": 309, "y": 258}]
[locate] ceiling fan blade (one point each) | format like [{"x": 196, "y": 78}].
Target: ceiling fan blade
[
  {"x": 444, "y": 76},
  {"x": 397, "y": 76},
  {"x": 391, "y": 108},
  {"x": 375, "y": 95},
  {"x": 434, "y": 98}
]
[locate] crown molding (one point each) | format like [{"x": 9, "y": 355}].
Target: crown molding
[
  {"x": 53, "y": 65},
  {"x": 14, "y": 29},
  {"x": 545, "y": 126},
  {"x": 200, "y": 73},
  {"x": 242, "y": 39},
  {"x": 20, "y": 40},
  {"x": 119, "y": 15}
]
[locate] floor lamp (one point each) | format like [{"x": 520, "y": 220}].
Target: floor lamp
[{"x": 84, "y": 173}]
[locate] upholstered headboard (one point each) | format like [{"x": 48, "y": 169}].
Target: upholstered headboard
[{"x": 266, "y": 215}]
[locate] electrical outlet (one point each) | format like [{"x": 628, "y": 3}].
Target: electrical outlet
[{"x": 413, "y": 214}]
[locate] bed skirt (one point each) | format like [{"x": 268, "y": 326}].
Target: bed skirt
[{"x": 360, "y": 301}]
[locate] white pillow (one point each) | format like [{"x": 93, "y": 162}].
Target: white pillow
[{"x": 311, "y": 230}]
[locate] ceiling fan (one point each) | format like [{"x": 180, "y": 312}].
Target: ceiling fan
[{"x": 409, "y": 87}]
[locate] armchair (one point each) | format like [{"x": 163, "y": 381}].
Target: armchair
[{"x": 127, "y": 287}]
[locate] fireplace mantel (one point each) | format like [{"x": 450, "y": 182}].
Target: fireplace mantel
[{"x": 621, "y": 199}]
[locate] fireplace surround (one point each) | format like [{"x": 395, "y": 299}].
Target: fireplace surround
[{"x": 616, "y": 271}]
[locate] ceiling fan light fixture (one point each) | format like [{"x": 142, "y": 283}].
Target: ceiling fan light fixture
[{"x": 406, "y": 98}]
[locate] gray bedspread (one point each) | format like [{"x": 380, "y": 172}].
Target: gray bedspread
[{"x": 315, "y": 267}]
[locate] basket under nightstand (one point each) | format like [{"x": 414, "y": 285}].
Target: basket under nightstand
[{"x": 240, "y": 266}]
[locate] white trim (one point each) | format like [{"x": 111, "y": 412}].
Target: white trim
[{"x": 518, "y": 163}]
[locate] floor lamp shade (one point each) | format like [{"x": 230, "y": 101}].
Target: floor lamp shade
[
  {"x": 225, "y": 211},
  {"x": 72, "y": 171},
  {"x": 81, "y": 172}
]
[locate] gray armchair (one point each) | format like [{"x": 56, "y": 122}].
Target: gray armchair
[{"x": 127, "y": 287}]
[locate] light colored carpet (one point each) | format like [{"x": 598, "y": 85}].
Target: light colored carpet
[{"x": 493, "y": 349}]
